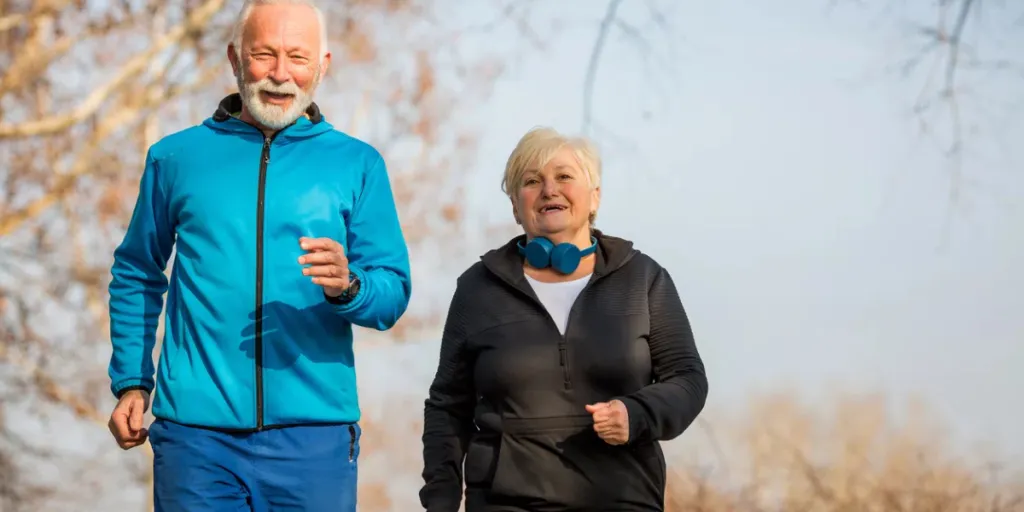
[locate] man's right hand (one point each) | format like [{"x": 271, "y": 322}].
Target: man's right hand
[{"x": 126, "y": 420}]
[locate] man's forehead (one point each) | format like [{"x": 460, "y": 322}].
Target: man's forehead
[{"x": 273, "y": 22}]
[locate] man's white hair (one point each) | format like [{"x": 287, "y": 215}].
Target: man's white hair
[{"x": 243, "y": 16}]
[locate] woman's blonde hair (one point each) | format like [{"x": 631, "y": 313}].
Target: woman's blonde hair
[{"x": 537, "y": 147}]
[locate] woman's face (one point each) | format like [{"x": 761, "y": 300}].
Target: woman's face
[{"x": 556, "y": 201}]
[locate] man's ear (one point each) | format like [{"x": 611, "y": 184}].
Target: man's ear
[
  {"x": 325, "y": 64},
  {"x": 233, "y": 59}
]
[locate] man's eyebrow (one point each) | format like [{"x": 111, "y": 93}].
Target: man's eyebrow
[{"x": 257, "y": 46}]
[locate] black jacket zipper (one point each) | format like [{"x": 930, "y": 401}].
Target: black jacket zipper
[
  {"x": 258, "y": 342},
  {"x": 563, "y": 359},
  {"x": 563, "y": 345}
]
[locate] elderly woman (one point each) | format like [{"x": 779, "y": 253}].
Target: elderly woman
[{"x": 566, "y": 357}]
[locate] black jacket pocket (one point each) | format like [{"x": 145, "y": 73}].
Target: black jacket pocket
[{"x": 562, "y": 463}]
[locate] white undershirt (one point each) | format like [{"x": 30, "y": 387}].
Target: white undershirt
[{"x": 558, "y": 298}]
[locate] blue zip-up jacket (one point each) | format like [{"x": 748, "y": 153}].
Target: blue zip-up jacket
[{"x": 249, "y": 341}]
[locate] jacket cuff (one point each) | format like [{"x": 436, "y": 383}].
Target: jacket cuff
[
  {"x": 129, "y": 384},
  {"x": 356, "y": 302},
  {"x": 639, "y": 427}
]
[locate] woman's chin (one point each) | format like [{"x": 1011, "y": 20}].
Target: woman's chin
[{"x": 561, "y": 232}]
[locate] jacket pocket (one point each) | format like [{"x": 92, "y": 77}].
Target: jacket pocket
[
  {"x": 481, "y": 461},
  {"x": 562, "y": 462}
]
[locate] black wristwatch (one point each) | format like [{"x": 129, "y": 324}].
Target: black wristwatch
[{"x": 349, "y": 293}]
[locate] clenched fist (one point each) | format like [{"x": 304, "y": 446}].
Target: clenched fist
[
  {"x": 611, "y": 421},
  {"x": 328, "y": 265},
  {"x": 126, "y": 420}
]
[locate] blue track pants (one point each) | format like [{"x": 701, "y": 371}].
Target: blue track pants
[{"x": 291, "y": 469}]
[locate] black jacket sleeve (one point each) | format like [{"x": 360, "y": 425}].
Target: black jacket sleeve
[
  {"x": 448, "y": 415},
  {"x": 664, "y": 409}
]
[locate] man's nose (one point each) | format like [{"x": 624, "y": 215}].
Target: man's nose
[{"x": 279, "y": 73}]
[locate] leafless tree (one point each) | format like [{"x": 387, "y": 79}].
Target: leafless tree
[
  {"x": 86, "y": 86},
  {"x": 965, "y": 54}
]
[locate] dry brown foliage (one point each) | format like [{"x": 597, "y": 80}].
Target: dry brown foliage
[{"x": 854, "y": 455}]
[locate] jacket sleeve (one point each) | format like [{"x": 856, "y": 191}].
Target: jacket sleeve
[
  {"x": 138, "y": 283},
  {"x": 448, "y": 415},
  {"x": 664, "y": 409},
  {"x": 377, "y": 253}
]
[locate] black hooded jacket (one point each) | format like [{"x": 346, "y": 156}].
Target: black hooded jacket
[{"x": 509, "y": 394}]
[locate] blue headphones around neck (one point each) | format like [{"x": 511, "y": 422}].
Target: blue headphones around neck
[{"x": 564, "y": 257}]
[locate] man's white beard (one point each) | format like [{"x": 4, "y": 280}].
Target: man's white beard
[{"x": 272, "y": 116}]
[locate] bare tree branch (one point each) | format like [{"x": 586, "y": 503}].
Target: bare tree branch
[
  {"x": 595, "y": 58},
  {"x": 198, "y": 17}
]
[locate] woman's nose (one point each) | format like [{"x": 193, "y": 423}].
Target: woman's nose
[{"x": 550, "y": 188}]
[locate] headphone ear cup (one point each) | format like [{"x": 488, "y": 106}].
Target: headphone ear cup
[
  {"x": 565, "y": 258},
  {"x": 538, "y": 252}
]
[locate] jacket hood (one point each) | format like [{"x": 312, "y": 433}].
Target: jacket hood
[
  {"x": 506, "y": 262},
  {"x": 224, "y": 119}
]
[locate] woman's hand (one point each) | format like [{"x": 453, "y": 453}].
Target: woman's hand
[{"x": 611, "y": 421}]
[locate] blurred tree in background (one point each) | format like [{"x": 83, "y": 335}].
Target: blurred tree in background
[{"x": 87, "y": 86}]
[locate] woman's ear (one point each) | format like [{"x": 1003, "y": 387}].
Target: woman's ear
[{"x": 515, "y": 212}]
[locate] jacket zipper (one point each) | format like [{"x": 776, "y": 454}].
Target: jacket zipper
[
  {"x": 261, "y": 196},
  {"x": 563, "y": 346},
  {"x": 564, "y": 361}
]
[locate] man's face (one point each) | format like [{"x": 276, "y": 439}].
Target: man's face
[{"x": 278, "y": 65}]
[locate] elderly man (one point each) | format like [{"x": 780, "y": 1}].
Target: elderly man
[{"x": 287, "y": 234}]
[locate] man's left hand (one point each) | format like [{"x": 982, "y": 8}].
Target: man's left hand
[
  {"x": 611, "y": 421},
  {"x": 328, "y": 265}
]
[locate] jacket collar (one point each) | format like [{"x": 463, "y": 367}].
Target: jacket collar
[
  {"x": 232, "y": 104},
  {"x": 307, "y": 126}
]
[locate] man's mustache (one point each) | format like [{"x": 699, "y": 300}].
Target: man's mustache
[{"x": 269, "y": 86}]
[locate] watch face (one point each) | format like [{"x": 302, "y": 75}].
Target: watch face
[{"x": 353, "y": 286}]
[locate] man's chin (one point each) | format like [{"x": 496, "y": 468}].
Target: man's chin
[{"x": 273, "y": 116}]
